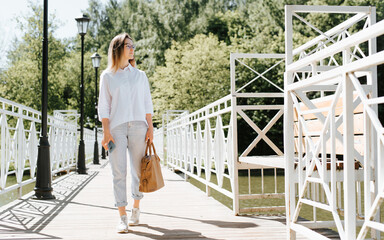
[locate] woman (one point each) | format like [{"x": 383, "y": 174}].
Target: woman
[{"x": 125, "y": 110}]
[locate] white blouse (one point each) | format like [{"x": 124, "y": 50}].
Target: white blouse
[{"x": 124, "y": 96}]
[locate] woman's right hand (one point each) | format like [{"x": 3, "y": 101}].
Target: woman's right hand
[{"x": 106, "y": 138}]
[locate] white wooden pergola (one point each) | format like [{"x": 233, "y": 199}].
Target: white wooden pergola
[
  {"x": 206, "y": 141},
  {"x": 334, "y": 141}
]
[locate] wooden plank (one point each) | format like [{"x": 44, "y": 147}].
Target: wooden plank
[
  {"x": 324, "y": 103},
  {"x": 315, "y": 125},
  {"x": 262, "y": 209},
  {"x": 272, "y": 161},
  {"x": 84, "y": 210},
  {"x": 261, "y": 196},
  {"x": 358, "y": 144}
]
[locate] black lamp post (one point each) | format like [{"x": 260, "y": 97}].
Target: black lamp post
[
  {"x": 43, "y": 189},
  {"x": 82, "y": 26},
  {"x": 96, "y": 64}
]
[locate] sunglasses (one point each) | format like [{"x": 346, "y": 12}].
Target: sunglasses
[{"x": 130, "y": 46}]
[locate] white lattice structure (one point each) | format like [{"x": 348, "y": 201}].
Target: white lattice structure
[
  {"x": 334, "y": 142},
  {"x": 204, "y": 142},
  {"x": 158, "y": 141},
  {"x": 241, "y": 110},
  {"x": 159, "y": 135},
  {"x": 89, "y": 142},
  {"x": 62, "y": 139},
  {"x": 19, "y": 139},
  {"x": 192, "y": 143}
]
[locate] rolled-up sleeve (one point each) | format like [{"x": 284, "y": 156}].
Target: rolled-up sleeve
[
  {"x": 147, "y": 97},
  {"x": 105, "y": 98}
]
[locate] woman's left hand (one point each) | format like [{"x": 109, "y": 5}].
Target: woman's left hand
[{"x": 149, "y": 135}]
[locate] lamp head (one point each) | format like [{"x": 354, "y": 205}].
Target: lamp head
[
  {"x": 82, "y": 24},
  {"x": 96, "y": 58}
]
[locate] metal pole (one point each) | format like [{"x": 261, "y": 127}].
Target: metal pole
[
  {"x": 103, "y": 155},
  {"x": 43, "y": 188},
  {"x": 81, "y": 169},
  {"x": 96, "y": 147}
]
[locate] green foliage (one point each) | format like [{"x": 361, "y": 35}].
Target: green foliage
[
  {"x": 182, "y": 45},
  {"x": 196, "y": 73},
  {"x": 154, "y": 25},
  {"x": 21, "y": 81}
]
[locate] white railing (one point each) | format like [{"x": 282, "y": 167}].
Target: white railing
[
  {"x": 160, "y": 134},
  {"x": 333, "y": 137},
  {"x": 203, "y": 145},
  {"x": 158, "y": 141},
  {"x": 89, "y": 142},
  {"x": 19, "y": 139},
  {"x": 264, "y": 103},
  {"x": 62, "y": 134}
]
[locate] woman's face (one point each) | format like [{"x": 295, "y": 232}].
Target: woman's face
[{"x": 128, "y": 49}]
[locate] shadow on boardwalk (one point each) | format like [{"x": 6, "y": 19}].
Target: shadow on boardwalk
[
  {"x": 27, "y": 217},
  {"x": 84, "y": 210}
]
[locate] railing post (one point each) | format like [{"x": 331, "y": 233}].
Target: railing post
[
  {"x": 185, "y": 151},
  {"x": 288, "y": 127},
  {"x": 207, "y": 153},
  {"x": 235, "y": 173},
  {"x": 164, "y": 133},
  {"x": 3, "y": 153},
  {"x": 289, "y": 161},
  {"x": 349, "y": 165},
  {"x": 372, "y": 80},
  {"x": 20, "y": 160}
]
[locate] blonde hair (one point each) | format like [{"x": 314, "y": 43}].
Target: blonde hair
[{"x": 116, "y": 50}]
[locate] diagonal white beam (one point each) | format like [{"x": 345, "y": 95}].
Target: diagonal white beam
[
  {"x": 261, "y": 75},
  {"x": 357, "y": 38},
  {"x": 262, "y": 133}
]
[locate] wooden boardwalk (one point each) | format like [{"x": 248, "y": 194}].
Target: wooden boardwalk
[{"x": 84, "y": 210}]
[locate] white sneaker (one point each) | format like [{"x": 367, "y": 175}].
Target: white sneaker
[
  {"x": 135, "y": 215},
  {"x": 122, "y": 227}
]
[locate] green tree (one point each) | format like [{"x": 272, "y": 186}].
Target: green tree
[
  {"x": 154, "y": 25},
  {"x": 22, "y": 80},
  {"x": 170, "y": 48},
  {"x": 196, "y": 73}
]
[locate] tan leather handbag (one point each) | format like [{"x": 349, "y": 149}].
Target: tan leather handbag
[{"x": 151, "y": 178}]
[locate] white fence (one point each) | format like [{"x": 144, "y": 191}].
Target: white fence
[
  {"x": 333, "y": 137},
  {"x": 158, "y": 141},
  {"x": 203, "y": 145},
  {"x": 201, "y": 141},
  {"x": 19, "y": 139},
  {"x": 89, "y": 142},
  {"x": 243, "y": 91}
]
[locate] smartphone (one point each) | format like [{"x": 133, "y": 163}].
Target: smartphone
[{"x": 111, "y": 146}]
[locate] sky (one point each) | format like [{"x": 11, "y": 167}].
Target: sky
[{"x": 65, "y": 10}]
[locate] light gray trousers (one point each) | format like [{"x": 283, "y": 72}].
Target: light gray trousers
[{"x": 129, "y": 135}]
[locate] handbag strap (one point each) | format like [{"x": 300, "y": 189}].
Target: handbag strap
[
  {"x": 148, "y": 147},
  {"x": 153, "y": 146}
]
